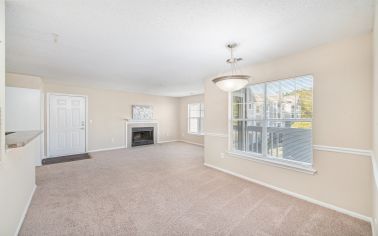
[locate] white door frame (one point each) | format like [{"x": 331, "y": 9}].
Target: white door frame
[{"x": 48, "y": 120}]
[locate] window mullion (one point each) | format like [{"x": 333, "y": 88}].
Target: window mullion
[
  {"x": 245, "y": 120},
  {"x": 264, "y": 133}
]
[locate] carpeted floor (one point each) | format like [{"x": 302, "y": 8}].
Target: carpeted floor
[{"x": 165, "y": 190}]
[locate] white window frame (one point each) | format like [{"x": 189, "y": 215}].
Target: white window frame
[
  {"x": 263, "y": 158},
  {"x": 202, "y": 110}
]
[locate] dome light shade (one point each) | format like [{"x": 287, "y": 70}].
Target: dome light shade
[{"x": 231, "y": 83}]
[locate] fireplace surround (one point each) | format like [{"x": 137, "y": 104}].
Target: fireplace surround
[
  {"x": 131, "y": 124},
  {"x": 142, "y": 136}
]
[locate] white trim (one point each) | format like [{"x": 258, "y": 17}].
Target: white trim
[
  {"x": 48, "y": 120},
  {"x": 47, "y": 154},
  {"x": 355, "y": 151},
  {"x": 300, "y": 196},
  {"x": 158, "y": 133},
  {"x": 106, "y": 149},
  {"x": 361, "y": 152},
  {"x": 229, "y": 123},
  {"x": 269, "y": 161},
  {"x": 373, "y": 231},
  {"x": 25, "y": 211},
  {"x": 123, "y": 147},
  {"x": 375, "y": 179},
  {"x": 216, "y": 135},
  {"x": 125, "y": 131},
  {"x": 168, "y": 141},
  {"x": 375, "y": 169},
  {"x": 197, "y": 134},
  {"x": 198, "y": 144},
  {"x": 42, "y": 127},
  {"x": 140, "y": 121},
  {"x": 86, "y": 122}
]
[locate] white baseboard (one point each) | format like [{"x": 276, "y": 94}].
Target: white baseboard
[
  {"x": 25, "y": 211},
  {"x": 375, "y": 179},
  {"x": 198, "y": 144},
  {"x": 106, "y": 149},
  {"x": 373, "y": 229},
  {"x": 375, "y": 169},
  {"x": 122, "y": 147},
  {"x": 168, "y": 141},
  {"x": 184, "y": 141},
  {"x": 303, "y": 197}
]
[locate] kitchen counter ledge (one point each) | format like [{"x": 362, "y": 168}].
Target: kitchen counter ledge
[{"x": 19, "y": 139}]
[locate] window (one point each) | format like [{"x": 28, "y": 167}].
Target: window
[
  {"x": 274, "y": 120},
  {"x": 195, "y": 118}
]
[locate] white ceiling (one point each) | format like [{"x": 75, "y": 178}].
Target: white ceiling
[{"x": 166, "y": 47}]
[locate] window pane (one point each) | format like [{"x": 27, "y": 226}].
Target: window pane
[
  {"x": 290, "y": 140},
  {"x": 195, "y": 106},
  {"x": 255, "y": 101},
  {"x": 201, "y": 125},
  {"x": 288, "y": 99},
  {"x": 304, "y": 95},
  {"x": 194, "y": 125},
  {"x": 238, "y": 135},
  {"x": 238, "y": 103},
  {"x": 195, "y": 113},
  {"x": 195, "y": 117},
  {"x": 254, "y": 134},
  {"x": 238, "y": 96},
  {"x": 273, "y": 100},
  {"x": 238, "y": 110}
]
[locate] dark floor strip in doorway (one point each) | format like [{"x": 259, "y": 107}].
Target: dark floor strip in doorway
[{"x": 55, "y": 160}]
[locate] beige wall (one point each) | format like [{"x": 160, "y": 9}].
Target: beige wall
[
  {"x": 342, "y": 118},
  {"x": 23, "y": 81},
  {"x": 17, "y": 177},
  {"x": 183, "y": 116},
  {"x": 17, "y": 184},
  {"x": 108, "y": 108},
  {"x": 375, "y": 119},
  {"x": 2, "y": 77}
]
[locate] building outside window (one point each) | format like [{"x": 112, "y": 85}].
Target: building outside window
[{"x": 273, "y": 120}]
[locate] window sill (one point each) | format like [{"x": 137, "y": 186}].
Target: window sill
[
  {"x": 198, "y": 134},
  {"x": 290, "y": 166}
]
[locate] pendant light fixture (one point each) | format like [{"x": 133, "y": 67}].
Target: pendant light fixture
[{"x": 234, "y": 81}]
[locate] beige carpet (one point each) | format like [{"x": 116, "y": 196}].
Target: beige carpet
[{"x": 165, "y": 190}]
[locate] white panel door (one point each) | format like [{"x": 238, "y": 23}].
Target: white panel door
[{"x": 67, "y": 125}]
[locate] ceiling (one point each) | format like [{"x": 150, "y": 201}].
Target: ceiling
[{"x": 166, "y": 47}]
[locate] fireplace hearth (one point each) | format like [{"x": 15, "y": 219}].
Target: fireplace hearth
[{"x": 142, "y": 136}]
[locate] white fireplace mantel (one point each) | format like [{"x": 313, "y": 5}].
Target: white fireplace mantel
[{"x": 140, "y": 121}]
